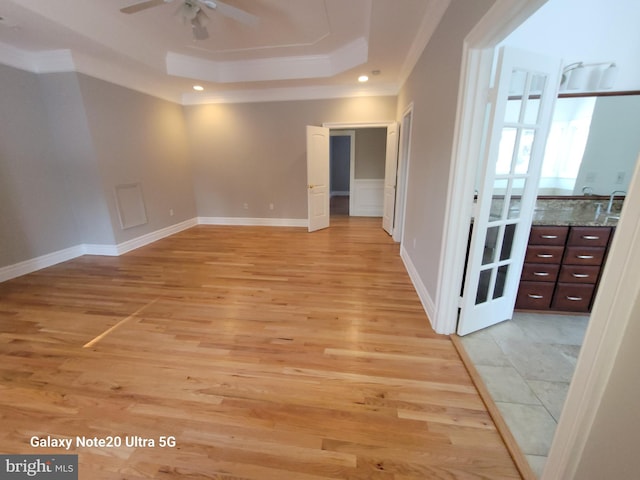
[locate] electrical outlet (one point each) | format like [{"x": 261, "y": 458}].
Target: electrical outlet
[
  {"x": 245, "y": 206},
  {"x": 414, "y": 242},
  {"x": 271, "y": 206},
  {"x": 591, "y": 177},
  {"x": 620, "y": 178},
  {"x": 171, "y": 212}
]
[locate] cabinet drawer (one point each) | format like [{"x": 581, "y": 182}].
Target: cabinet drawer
[
  {"x": 573, "y": 297},
  {"x": 548, "y": 235},
  {"x": 540, "y": 272},
  {"x": 579, "y": 274},
  {"x": 534, "y": 295},
  {"x": 543, "y": 254},
  {"x": 583, "y": 255},
  {"x": 589, "y": 236}
]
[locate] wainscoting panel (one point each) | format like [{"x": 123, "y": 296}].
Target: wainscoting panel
[{"x": 367, "y": 198}]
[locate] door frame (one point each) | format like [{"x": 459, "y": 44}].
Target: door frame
[
  {"x": 404, "y": 160},
  {"x": 355, "y": 125},
  {"x": 620, "y": 284}
]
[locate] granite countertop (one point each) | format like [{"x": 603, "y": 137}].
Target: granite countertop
[{"x": 577, "y": 212}]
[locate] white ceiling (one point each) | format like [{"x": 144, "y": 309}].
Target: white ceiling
[{"x": 299, "y": 48}]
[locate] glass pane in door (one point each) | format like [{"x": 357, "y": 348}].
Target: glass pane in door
[
  {"x": 483, "y": 286},
  {"x": 506, "y": 150},
  {"x": 490, "y": 245},
  {"x": 525, "y": 142},
  {"x": 501, "y": 279}
]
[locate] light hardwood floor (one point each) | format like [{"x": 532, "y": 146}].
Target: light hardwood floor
[{"x": 268, "y": 353}]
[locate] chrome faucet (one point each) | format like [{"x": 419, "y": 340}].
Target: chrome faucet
[
  {"x": 613, "y": 194},
  {"x": 587, "y": 190}
]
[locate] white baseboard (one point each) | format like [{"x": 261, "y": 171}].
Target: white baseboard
[
  {"x": 43, "y": 261},
  {"x": 104, "y": 250},
  {"x": 423, "y": 294},
  {"x": 154, "y": 236},
  {"x": 50, "y": 259},
  {"x": 254, "y": 222}
]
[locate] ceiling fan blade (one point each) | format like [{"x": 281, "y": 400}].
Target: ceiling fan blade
[
  {"x": 138, "y": 7},
  {"x": 232, "y": 12},
  {"x": 198, "y": 27},
  {"x": 200, "y": 32}
]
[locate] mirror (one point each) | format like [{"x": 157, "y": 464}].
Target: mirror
[{"x": 592, "y": 146}]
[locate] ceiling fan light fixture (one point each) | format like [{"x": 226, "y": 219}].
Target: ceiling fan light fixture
[
  {"x": 189, "y": 11},
  {"x": 363, "y": 78},
  {"x": 198, "y": 88}
]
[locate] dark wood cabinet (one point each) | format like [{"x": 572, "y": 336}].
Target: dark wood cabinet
[{"x": 562, "y": 267}]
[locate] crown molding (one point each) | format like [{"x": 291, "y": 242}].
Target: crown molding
[
  {"x": 277, "y": 68},
  {"x": 53, "y": 61},
  {"x": 431, "y": 20},
  {"x": 48, "y": 61},
  {"x": 287, "y": 94}
]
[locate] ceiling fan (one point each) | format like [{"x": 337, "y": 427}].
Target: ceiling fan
[{"x": 192, "y": 11}]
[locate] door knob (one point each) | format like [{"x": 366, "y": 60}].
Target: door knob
[{"x": 310, "y": 186}]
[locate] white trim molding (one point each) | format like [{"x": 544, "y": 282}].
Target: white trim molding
[
  {"x": 53, "y": 258},
  {"x": 274, "y": 68},
  {"x": 421, "y": 290},
  {"x": 38, "y": 263},
  {"x": 154, "y": 236},
  {"x": 254, "y": 222},
  {"x": 367, "y": 197}
]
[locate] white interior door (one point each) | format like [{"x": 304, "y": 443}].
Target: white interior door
[
  {"x": 390, "y": 178},
  {"x": 318, "y": 177},
  {"x": 522, "y": 103}
]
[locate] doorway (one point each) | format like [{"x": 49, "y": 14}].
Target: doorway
[
  {"x": 373, "y": 165},
  {"x": 613, "y": 310},
  {"x": 404, "y": 157},
  {"x": 341, "y": 165}
]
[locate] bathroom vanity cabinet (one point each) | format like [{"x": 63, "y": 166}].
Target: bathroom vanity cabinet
[{"x": 562, "y": 267}]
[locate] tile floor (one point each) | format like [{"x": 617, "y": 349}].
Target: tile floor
[{"x": 527, "y": 364}]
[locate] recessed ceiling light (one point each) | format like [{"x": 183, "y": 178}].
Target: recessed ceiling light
[
  {"x": 363, "y": 78},
  {"x": 198, "y": 88}
]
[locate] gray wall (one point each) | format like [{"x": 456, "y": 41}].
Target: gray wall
[
  {"x": 370, "y": 153},
  {"x": 74, "y": 155},
  {"x": 433, "y": 87},
  {"x": 613, "y": 144},
  {"x": 35, "y": 213},
  {"x": 65, "y": 141},
  {"x": 255, "y": 153},
  {"x": 140, "y": 138}
]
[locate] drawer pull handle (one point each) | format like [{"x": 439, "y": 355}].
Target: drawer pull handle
[
  {"x": 549, "y": 237},
  {"x": 574, "y": 299},
  {"x": 544, "y": 255},
  {"x": 541, "y": 274},
  {"x": 591, "y": 237},
  {"x": 531, "y": 295},
  {"x": 585, "y": 257},
  {"x": 580, "y": 275}
]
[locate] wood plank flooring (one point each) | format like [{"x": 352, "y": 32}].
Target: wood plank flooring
[{"x": 268, "y": 353}]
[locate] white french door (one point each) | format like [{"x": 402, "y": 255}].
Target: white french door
[
  {"x": 521, "y": 106},
  {"x": 318, "y": 177}
]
